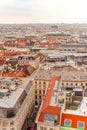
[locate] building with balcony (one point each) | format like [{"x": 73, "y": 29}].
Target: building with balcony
[{"x": 63, "y": 109}]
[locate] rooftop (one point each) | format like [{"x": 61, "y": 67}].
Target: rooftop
[
  {"x": 81, "y": 110},
  {"x": 14, "y": 92},
  {"x": 67, "y": 73},
  {"x": 49, "y": 109},
  {"x": 46, "y": 47}
]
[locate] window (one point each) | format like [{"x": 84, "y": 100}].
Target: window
[
  {"x": 81, "y": 84},
  {"x": 39, "y": 92},
  {"x": 39, "y": 82},
  {"x": 35, "y": 82},
  {"x": 86, "y": 84},
  {"x": 43, "y": 91},
  {"x": 76, "y": 84},
  {"x": 71, "y": 84},
  {"x": 35, "y": 91},
  {"x": 44, "y": 83},
  {"x": 66, "y": 83},
  {"x": 12, "y": 123},
  {"x": 12, "y": 129},
  {"x": 43, "y": 128},
  {"x": 67, "y": 122},
  {"x": 5, "y": 123},
  {"x": 36, "y": 103},
  {"x": 80, "y": 124},
  {"x": 39, "y": 97},
  {"x": 35, "y": 97},
  {"x": 50, "y": 118}
]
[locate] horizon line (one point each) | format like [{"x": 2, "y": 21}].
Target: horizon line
[{"x": 46, "y": 23}]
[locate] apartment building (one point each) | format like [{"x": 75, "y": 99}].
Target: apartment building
[
  {"x": 62, "y": 109},
  {"x": 40, "y": 86},
  {"x": 49, "y": 115},
  {"x": 74, "y": 83},
  {"x": 73, "y": 48},
  {"x": 22, "y": 60},
  {"x": 27, "y": 59},
  {"x": 16, "y": 102}
]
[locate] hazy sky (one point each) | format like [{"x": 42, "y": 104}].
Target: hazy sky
[{"x": 42, "y": 11}]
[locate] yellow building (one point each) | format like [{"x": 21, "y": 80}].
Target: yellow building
[{"x": 41, "y": 86}]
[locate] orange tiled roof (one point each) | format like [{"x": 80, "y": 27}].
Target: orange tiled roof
[
  {"x": 46, "y": 108},
  {"x": 8, "y": 74},
  {"x": 51, "y": 39},
  {"x": 13, "y": 74},
  {"x": 48, "y": 46},
  {"x": 20, "y": 74},
  {"x": 2, "y": 58},
  {"x": 11, "y": 52}
]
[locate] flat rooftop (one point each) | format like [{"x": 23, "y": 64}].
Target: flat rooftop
[
  {"x": 10, "y": 100},
  {"x": 68, "y": 74},
  {"x": 81, "y": 110}
]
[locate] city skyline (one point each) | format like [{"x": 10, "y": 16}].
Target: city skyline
[{"x": 39, "y": 11}]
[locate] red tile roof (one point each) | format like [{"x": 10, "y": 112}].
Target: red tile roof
[
  {"x": 46, "y": 108},
  {"x": 51, "y": 39},
  {"x": 13, "y": 74},
  {"x": 2, "y": 58},
  {"x": 11, "y": 53},
  {"x": 47, "y": 47},
  {"x": 20, "y": 74},
  {"x": 41, "y": 57},
  {"x": 21, "y": 41}
]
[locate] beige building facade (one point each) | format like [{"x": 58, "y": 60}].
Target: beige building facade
[
  {"x": 16, "y": 122},
  {"x": 40, "y": 90}
]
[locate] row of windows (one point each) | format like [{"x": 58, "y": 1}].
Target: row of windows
[
  {"x": 76, "y": 84},
  {"x": 38, "y": 97},
  {"x": 80, "y": 124},
  {"x": 37, "y": 102},
  {"x": 67, "y": 49},
  {"x": 40, "y": 82},
  {"x": 39, "y": 92},
  {"x": 22, "y": 62},
  {"x": 45, "y": 128}
]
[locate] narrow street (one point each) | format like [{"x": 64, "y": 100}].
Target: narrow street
[{"x": 31, "y": 121}]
